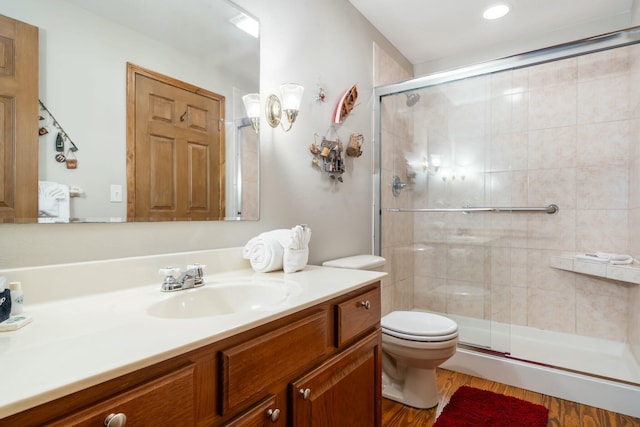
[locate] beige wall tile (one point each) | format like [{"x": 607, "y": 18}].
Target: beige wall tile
[
  {"x": 602, "y": 187},
  {"x": 602, "y": 230},
  {"x": 552, "y": 309},
  {"x": 603, "y": 100},
  {"x": 552, "y": 107}
]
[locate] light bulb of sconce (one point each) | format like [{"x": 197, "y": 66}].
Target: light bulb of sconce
[
  {"x": 436, "y": 161},
  {"x": 291, "y": 100},
  {"x": 291, "y": 96},
  {"x": 251, "y": 103}
]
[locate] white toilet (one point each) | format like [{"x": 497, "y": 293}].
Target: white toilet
[{"x": 414, "y": 344}]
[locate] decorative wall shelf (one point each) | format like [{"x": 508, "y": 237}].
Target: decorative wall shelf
[{"x": 623, "y": 273}]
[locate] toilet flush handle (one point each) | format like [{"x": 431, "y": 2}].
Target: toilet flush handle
[{"x": 366, "y": 304}]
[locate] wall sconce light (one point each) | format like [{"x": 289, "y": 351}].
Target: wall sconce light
[
  {"x": 251, "y": 103},
  {"x": 291, "y": 97}
]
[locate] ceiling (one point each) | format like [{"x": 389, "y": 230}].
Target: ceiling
[{"x": 428, "y": 30}]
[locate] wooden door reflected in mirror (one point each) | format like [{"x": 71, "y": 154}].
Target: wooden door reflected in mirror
[{"x": 175, "y": 149}]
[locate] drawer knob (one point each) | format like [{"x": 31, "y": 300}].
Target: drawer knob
[
  {"x": 305, "y": 393},
  {"x": 366, "y": 304},
  {"x": 115, "y": 420},
  {"x": 273, "y": 415}
]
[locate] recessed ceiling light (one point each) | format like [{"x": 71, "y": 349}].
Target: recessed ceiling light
[
  {"x": 495, "y": 12},
  {"x": 246, "y": 24}
]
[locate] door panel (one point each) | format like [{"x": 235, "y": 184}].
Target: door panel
[
  {"x": 18, "y": 121},
  {"x": 176, "y": 158}
]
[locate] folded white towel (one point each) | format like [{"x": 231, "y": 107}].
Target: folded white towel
[
  {"x": 53, "y": 202},
  {"x": 296, "y": 251},
  {"x": 606, "y": 258},
  {"x": 265, "y": 252}
]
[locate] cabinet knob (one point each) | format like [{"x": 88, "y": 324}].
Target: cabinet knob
[
  {"x": 305, "y": 393},
  {"x": 273, "y": 415},
  {"x": 366, "y": 304},
  {"x": 115, "y": 420}
]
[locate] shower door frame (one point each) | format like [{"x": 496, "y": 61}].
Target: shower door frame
[{"x": 607, "y": 41}]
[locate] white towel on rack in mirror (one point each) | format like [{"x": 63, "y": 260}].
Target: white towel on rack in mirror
[{"x": 53, "y": 202}]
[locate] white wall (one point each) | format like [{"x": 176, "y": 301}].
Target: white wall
[{"x": 313, "y": 42}]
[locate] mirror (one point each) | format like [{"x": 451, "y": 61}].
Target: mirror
[{"x": 85, "y": 46}]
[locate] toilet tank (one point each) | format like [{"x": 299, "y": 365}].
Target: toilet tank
[{"x": 358, "y": 262}]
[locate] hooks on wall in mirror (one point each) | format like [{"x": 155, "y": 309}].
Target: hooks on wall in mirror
[
  {"x": 43, "y": 130},
  {"x": 67, "y": 156}
]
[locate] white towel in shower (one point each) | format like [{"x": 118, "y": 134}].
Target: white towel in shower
[
  {"x": 53, "y": 202},
  {"x": 265, "y": 252},
  {"x": 606, "y": 258}
]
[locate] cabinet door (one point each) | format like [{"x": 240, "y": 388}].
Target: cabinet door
[
  {"x": 344, "y": 391},
  {"x": 166, "y": 401}
]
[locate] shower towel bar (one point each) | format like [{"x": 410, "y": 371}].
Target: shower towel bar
[{"x": 551, "y": 209}]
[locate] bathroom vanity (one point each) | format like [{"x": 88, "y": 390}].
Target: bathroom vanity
[{"x": 314, "y": 360}]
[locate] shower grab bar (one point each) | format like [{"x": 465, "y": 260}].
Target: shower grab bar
[{"x": 551, "y": 209}]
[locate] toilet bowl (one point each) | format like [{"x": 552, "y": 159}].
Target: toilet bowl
[{"x": 414, "y": 344}]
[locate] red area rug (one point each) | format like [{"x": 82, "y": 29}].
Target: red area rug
[{"x": 472, "y": 407}]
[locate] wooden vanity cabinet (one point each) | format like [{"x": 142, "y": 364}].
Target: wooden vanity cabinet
[
  {"x": 167, "y": 400},
  {"x": 317, "y": 367},
  {"x": 343, "y": 391}
]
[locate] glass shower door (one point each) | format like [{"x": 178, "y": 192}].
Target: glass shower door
[{"x": 443, "y": 151}]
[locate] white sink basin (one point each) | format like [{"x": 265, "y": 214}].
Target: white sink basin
[{"x": 220, "y": 298}]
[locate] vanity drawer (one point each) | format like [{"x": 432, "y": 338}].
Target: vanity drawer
[
  {"x": 357, "y": 315},
  {"x": 265, "y": 413},
  {"x": 279, "y": 355},
  {"x": 167, "y": 399}
]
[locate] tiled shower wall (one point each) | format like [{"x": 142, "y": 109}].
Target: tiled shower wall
[
  {"x": 397, "y": 236},
  {"x": 634, "y": 201},
  {"x": 565, "y": 132}
]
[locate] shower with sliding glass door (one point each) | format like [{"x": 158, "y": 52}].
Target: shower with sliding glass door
[{"x": 492, "y": 178}]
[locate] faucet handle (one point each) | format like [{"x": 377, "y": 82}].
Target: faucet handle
[
  {"x": 198, "y": 272},
  {"x": 198, "y": 268},
  {"x": 169, "y": 271}
]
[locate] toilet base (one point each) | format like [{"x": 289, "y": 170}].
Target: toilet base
[{"x": 418, "y": 390}]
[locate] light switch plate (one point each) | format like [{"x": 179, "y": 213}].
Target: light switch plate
[{"x": 116, "y": 193}]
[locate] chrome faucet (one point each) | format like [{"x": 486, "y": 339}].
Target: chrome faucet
[{"x": 191, "y": 278}]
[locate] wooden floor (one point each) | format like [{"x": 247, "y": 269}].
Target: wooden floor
[{"x": 562, "y": 413}]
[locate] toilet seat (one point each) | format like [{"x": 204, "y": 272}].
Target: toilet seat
[{"x": 419, "y": 326}]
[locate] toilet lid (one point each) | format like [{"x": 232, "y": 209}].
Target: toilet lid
[{"x": 419, "y": 326}]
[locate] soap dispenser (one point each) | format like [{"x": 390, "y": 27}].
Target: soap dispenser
[
  {"x": 16, "y": 298},
  {"x": 5, "y": 301}
]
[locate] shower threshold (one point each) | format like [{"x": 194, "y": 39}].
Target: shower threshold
[{"x": 592, "y": 371}]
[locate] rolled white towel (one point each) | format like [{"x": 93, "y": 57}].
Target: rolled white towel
[{"x": 265, "y": 252}]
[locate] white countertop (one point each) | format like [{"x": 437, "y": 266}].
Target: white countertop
[{"x": 76, "y": 343}]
